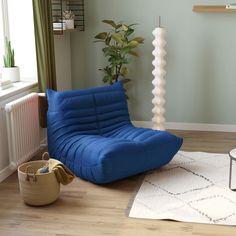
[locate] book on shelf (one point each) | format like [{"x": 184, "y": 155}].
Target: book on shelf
[
  {"x": 4, "y": 84},
  {"x": 59, "y": 26},
  {"x": 230, "y": 6}
]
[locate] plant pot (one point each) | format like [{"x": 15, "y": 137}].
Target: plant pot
[
  {"x": 69, "y": 24},
  {"x": 11, "y": 73}
]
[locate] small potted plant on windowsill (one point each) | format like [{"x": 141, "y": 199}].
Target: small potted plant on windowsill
[
  {"x": 68, "y": 18},
  {"x": 10, "y": 71}
]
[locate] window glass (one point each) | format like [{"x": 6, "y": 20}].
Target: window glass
[{"x": 21, "y": 28}]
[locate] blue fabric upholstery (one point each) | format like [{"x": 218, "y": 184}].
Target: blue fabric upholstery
[{"x": 91, "y": 133}]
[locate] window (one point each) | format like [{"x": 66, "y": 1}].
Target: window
[
  {"x": 1, "y": 36},
  {"x": 17, "y": 23}
]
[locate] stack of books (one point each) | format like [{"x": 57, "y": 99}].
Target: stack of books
[
  {"x": 59, "y": 26},
  {"x": 5, "y": 84},
  {"x": 231, "y": 6}
]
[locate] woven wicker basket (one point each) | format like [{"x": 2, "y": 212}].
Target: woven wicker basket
[{"x": 37, "y": 189}]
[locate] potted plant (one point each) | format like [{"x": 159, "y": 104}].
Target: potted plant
[
  {"x": 68, "y": 18},
  {"x": 10, "y": 71},
  {"x": 118, "y": 49}
]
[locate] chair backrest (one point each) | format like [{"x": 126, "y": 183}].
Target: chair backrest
[{"x": 90, "y": 111}]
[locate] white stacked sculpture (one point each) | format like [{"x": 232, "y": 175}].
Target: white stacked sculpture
[{"x": 158, "y": 81}]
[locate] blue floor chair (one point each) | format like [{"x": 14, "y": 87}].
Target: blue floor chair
[{"x": 91, "y": 133}]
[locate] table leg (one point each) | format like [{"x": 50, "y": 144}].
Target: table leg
[{"x": 230, "y": 174}]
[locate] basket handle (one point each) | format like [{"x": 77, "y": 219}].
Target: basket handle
[
  {"x": 45, "y": 155},
  {"x": 30, "y": 174}
]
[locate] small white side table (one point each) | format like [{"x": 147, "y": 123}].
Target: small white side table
[{"x": 232, "y": 155}]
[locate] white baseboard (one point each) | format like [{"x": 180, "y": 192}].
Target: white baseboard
[
  {"x": 190, "y": 126},
  {"x": 6, "y": 172},
  {"x": 44, "y": 142}
]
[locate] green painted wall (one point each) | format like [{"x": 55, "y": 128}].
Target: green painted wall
[{"x": 201, "y": 58}]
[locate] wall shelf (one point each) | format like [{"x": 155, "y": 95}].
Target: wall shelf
[
  {"x": 76, "y": 6},
  {"x": 65, "y": 31},
  {"x": 212, "y": 9}
]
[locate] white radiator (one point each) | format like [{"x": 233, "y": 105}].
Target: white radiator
[{"x": 23, "y": 129}]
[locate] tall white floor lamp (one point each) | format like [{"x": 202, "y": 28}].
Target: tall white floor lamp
[{"x": 159, "y": 81}]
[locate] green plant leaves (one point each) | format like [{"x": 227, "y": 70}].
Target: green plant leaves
[
  {"x": 139, "y": 39},
  {"x": 107, "y": 78},
  {"x": 125, "y": 27},
  {"x": 108, "y": 40},
  {"x": 118, "y": 26},
  {"x": 102, "y": 35},
  {"x": 133, "y": 53},
  {"x": 129, "y": 32},
  {"x": 109, "y": 51},
  {"x": 119, "y": 48},
  {"x": 124, "y": 71},
  {"x": 133, "y": 44},
  {"x": 117, "y": 37},
  {"x": 9, "y": 57},
  {"x": 125, "y": 50},
  {"x": 110, "y": 22}
]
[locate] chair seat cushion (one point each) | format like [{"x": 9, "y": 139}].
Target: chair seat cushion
[{"x": 98, "y": 142}]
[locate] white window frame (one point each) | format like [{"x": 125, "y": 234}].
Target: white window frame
[
  {"x": 6, "y": 31},
  {"x": 5, "y": 23},
  {"x": 23, "y": 84},
  {"x": 10, "y": 30}
]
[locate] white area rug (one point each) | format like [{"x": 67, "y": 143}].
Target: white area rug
[{"x": 193, "y": 187}]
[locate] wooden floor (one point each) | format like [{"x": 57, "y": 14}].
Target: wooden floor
[{"x": 87, "y": 209}]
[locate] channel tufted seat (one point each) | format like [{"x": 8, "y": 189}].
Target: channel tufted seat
[{"x": 91, "y": 133}]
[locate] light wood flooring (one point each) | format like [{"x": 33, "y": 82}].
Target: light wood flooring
[{"x": 87, "y": 209}]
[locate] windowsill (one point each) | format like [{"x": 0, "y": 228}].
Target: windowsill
[{"x": 17, "y": 88}]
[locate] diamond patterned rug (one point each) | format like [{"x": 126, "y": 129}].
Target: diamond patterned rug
[{"x": 193, "y": 187}]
